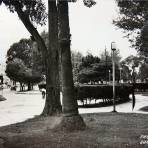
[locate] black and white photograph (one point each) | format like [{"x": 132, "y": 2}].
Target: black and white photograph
[{"x": 73, "y": 73}]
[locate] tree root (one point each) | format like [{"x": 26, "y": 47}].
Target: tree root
[{"x": 70, "y": 123}]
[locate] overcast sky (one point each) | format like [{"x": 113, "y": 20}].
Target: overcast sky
[{"x": 91, "y": 29}]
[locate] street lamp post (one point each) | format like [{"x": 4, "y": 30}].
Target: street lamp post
[
  {"x": 109, "y": 76},
  {"x": 120, "y": 74},
  {"x": 113, "y": 48}
]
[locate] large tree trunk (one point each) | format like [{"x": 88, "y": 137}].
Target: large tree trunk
[
  {"x": 53, "y": 105},
  {"x": 71, "y": 120}
]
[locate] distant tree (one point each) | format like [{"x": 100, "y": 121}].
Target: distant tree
[
  {"x": 132, "y": 62},
  {"x": 88, "y": 60},
  {"x": 76, "y": 58},
  {"x": 16, "y": 70},
  {"x": 21, "y": 50},
  {"x": 88, "y": 75},
  {"x": 98, "y": 72},
  {"x": 103, "y": 69},
  {"x": 125, "y": 72},
  {"x": 23, "y": 53},
  {"x": 105, "y": 56},
  {"x": 87, "y": 72},
  {"x": 106, "y": 64},
  {"x": 97, "y": 69},
  {"x": 143, "y": 72}
]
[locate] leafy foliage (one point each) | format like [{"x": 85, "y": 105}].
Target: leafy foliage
[
  {"x": 144, "y": 40},
  {"x": 132, "y": 61},
  {"x": 89, "y": 59},
  {"x": 125, "y": 72},
  {"x": 89, "y": 3},
  {"x": 21, "y": 62},
  {"x": 96, "y": 69},
  {"x": 105, "y": 56},
  {"x": 86, "y": 72},
  {"x": 17, "y": 71},
  {"x": 21, "y": 50},
  {"x": 76, "y": 58},
  {"x": 35, "y": 9},
  {"x": 129, "y": 64},
  {"x": 141, "y": 87},
  {"x": 133, "y": 15},
  {"x": 143, "y": 72}
]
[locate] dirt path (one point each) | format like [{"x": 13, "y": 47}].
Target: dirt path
[{"x": 104, "y": 130}]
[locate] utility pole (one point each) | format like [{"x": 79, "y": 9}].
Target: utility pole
[
  {"x": 113, "y": 48},
  {"x": 106, "y": 65}
]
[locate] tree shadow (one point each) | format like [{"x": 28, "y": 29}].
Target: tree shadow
[{"x": 145, "y": 109}]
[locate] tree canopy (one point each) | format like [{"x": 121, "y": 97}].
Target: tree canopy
[
  {"x": 21, "y": 50},
  {"x": 35, "y": 9},
  {"x": 95, "y": 69},
  {"x": 21, "y": 62},
  {"x": 133, "y": 16},
  {"x": 143, "y": 72},
  {"x": 128, "y": 66},
  {"x": 17, "y": 71},
  {"x": 89, "y": 59}
]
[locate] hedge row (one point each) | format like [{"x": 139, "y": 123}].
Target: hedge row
[
  {"x": 104, "y": 92},
  {"x": 141, "y": 86}
]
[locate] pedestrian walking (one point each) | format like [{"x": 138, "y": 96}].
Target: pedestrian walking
[{"x": 43, "y": 90}]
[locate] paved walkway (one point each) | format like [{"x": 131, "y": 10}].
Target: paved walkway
[
  {"x": 141, "y": 101},
  {"x": 21, "y": 106}
]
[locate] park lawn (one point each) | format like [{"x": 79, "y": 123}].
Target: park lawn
[{"x": 104, "y": 130}]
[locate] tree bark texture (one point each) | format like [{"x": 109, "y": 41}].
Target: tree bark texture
[
  {"x": 70, "y": 106},
  {"x": 71, "y": 120},
  {"x": 53, "y": 105}
]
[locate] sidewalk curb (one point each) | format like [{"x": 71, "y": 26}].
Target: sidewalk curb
[{"x": 29, "y": 92}]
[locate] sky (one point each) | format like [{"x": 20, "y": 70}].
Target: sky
[{"x": 91, "y": 28}]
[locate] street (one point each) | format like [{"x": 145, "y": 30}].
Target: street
[{"x": 21, "y": 106}]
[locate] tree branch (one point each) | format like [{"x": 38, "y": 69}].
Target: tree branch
[{"x": 27, "y": 23}]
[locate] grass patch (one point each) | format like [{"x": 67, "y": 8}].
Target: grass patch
[{"x": 104, "y": 130}]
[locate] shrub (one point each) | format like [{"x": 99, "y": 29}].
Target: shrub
[
  {"x": 103, "y": 92},
  {"x": 141, "y": 86},
  {"x": 100, "y": 92}
]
